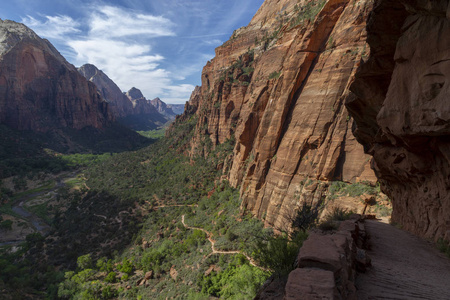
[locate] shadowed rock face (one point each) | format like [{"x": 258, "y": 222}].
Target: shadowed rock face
[
  {"x": 39, "y": 89},
  {"x": 278, "y": 86},
  {"x": 119, "y": 104},
  {"x": 406, "y": 127},
  {"x": 130, "y": 108}
]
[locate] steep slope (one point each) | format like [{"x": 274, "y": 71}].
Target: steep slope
[
  {"x": 277, "y": 87},
  {"x": 39, "y": 89},
  {"x": 401, "y": 109},
  {"x": 119, "y": 104}
]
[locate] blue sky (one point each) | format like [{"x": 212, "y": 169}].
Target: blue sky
[{"x": 159, "y": 47}]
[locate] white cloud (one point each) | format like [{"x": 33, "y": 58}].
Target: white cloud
[
  {"x": 54, "y": 27},
  {"x": 215, "y": 42},
  {"x": 137, "y": 48},
  {"x": 117, "y": 42},
  {"x": 109, "y": 21},
  {"x": 127, "y": 65}
]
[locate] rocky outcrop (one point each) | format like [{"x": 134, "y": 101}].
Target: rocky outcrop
[
  {"x": 400, "y": 105},
  {"x": 39, "y": 89},
  {"x": 119, "y": 104},
  {"x": 277, "y": 88},
  {"x": 163, "y": 108},
  {"x": 327, "y": 264}
]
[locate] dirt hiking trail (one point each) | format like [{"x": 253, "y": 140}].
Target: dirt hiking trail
[{"x": 403, "y": 267}]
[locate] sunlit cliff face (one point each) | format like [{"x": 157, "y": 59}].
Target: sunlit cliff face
[{"x": 418, "y": 99}]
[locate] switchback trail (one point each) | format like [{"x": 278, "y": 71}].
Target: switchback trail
[
  {"x": 403, "y": 267},
  {"x": 215, "y": 251}
]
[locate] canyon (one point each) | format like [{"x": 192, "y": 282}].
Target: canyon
[{"x": 312, "y": 96}]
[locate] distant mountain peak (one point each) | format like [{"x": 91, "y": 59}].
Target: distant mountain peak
[
  {"x": 134, "y": 94},
  {"x": 162, "y": 108}
]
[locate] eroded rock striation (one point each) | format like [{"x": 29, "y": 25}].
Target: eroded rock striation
[
  {"x": 277, "y": 90},
  {"x": 401, "y": 108},
  {"x": 39, "y": 89}
]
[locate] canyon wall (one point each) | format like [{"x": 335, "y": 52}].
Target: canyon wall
[
  {"x": 277, "y": 88},
  {"x": 131, "y": 109},
  {"x": 401, "y": 108},
  {"x": 39, "y": 89},
  {"x": 119, "y": 104}
]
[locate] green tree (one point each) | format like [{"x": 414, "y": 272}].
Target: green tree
[{"x": 84, "y": 261}]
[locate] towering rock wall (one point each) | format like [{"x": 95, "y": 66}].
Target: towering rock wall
[
  {"x": 278, "y": 87},
  {"x": 119, "y": 104},
  {"x": 402, "y": 111},
  {"x": 39, "y": 89}
]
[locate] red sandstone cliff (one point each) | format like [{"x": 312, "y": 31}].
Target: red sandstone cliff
[
  {"x": 39, "y": 89},
  {"x": 278, "y": 86},
  {"x": 400, "y": 105}
]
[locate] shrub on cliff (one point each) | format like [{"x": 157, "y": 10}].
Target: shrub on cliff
[
  {"x": 278, "y": 253},
  {"x": 444, "y": 246},
  {"x": 330, "y": 222}
]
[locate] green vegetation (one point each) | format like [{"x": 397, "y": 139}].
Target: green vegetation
[
  {"x": 238, "y": 280},
  {"x": 331, "y": 220},
  {"x": 444, "y": 246},
  {"x": 155, "y": 134},
  {"x": 339, "y": 188},
  {"x": 308, "y": 12},
  {"x": 278, "y": 253},
  {"x": 275, "y": 75},
  {"x": 83, "y": 160},
  {"x": 7, "y": 225},
  {"x": 240, "y": 72},
  {"x": 27, "y": 153},
  {"x": 124, "y": 219}
]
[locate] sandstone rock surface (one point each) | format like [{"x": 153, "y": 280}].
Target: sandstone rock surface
[
  {"x": 327, "y": 264},
  {"x": 309, "y": 284},
  {"x": 400, "y": 105},
  {"x": 39, "y": 89},
  {"x": 277, "y": 89}
]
